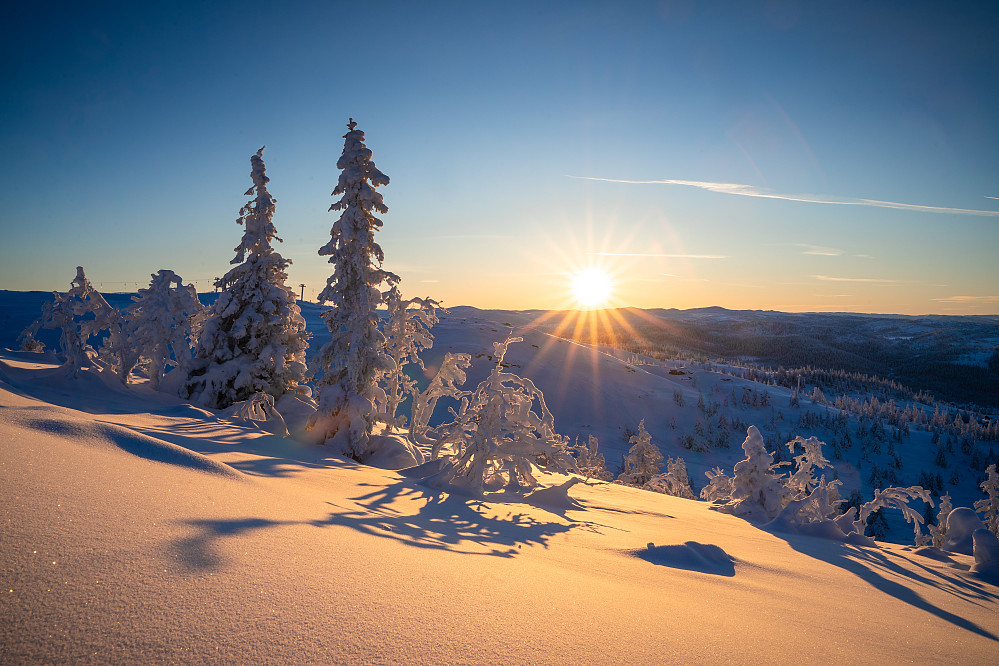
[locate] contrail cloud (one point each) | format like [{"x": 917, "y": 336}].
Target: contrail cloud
[{"x": 750, "y": 191}]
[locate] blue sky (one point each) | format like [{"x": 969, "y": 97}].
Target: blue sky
[{"x": 127, "y": 130}]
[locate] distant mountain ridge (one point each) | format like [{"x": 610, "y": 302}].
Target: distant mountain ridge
[{"x": 955, "y": 357}]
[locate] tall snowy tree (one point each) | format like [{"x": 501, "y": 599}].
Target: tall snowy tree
[
  {"x": 254, "y": 339},
  {"x": 354, "y": 356}
]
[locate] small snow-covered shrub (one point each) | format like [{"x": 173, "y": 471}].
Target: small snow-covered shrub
[
  {"x": 445, "y": 384},
  {"x": 259, "y": 410},
  {"x": 407, "y": 333},
  {"x": 644, "y": 460},
  {"x": 938, "y": 532},
  {"x": 590, "y": 461},
  {"x": 719, "y": 487},
  {"x": 674, "y": 481},
  {"x": 498, "y": 436}
]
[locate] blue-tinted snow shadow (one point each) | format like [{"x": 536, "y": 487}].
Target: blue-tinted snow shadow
[
  {"x": 200, "y": 550},
  {"x": 404, "y": 512},
  {"x": 690, "y": 556},
  {"x": 444, "y": 521},
  {"x": 882, "y": 570}
]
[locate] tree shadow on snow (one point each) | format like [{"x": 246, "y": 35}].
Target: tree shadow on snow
[
  {"x": 404, "y": 512},
  {"x": 200, "y": 550},
  {"x": 443, "y": 521},
  {"x": 882, "y": 570}
]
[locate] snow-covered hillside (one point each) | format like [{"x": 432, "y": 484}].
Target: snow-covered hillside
[{"x": 140, "y": 528}]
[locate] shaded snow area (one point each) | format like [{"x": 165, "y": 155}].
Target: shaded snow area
[{"x": 140, "y": 529}]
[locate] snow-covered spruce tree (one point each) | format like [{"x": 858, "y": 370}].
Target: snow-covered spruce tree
[
  {"x": 989, "y": 507},
  {"x": 166, "y": 319},
  {"x": 497, "y": 436},
  {"x": 407, "y": 333},
  {"x": 644, "y": 460},
  {"x": 354, "y": 357},
  {"x": 756, "y": 487},
  {"x": 254, "y": 338}
]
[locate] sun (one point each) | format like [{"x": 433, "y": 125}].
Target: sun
[{"x": 591, "y": 287}]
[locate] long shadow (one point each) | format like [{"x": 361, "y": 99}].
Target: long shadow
[
  {"x": 200, "y": 551},
  {"x": 443, "y": 522},
  {"x": 273, "y": 456},
  {"x": 876, "y": 568},
  {"x": 403, "y": 512}
]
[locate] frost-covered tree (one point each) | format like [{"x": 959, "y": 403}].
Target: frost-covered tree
[
  {"x": 644, "y": 459},
  {"x": 165, "y": 319},
  {"x": 802, "y": 481},
  {"x": 590, "y": 461},
  {"x": 938, "y": 532},
  {"x": 354, "y": 357},
  {"x": 989, "y": 507},
  {"x": 445, "y": 384},
  {"x": 498, "y": 435},
  {"x": 674, "y": 481},
  {"x": 897, "y": 498},
  {"x": 407, "y": 333},
  {"x": 254, "y": 338},
  {"x": 756, "y": 487},
  {"x": 719, "y": 487},
  {"x": 79, "y": 314}
]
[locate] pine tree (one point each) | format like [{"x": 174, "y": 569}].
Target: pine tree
[
  {"x": 354, "y": 356},
  {"x": 254, "y": 339},
  {"x": 644, "y": 459}
]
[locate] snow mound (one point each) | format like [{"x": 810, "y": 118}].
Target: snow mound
[
  {"x": 986, "y": 552},
  {"x": 961, "y": 526},
  {"x": 555, "y": 497},
  {"x": 130, "y": 441},
  {"x": 391, "y": 451},
  {"x": 691, "y": 556}
]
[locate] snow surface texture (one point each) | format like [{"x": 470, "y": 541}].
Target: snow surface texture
[{"x": 253, "y": 548}]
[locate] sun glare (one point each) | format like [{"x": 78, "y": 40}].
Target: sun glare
[{"x": 591, "y": 287}]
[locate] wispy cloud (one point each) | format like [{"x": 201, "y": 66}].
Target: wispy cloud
[
  {"x": 657, "y": 254},
  {"x": 988, "y": 197},
  {"x": 829, "y": 278},
  {"x": 750, "y": 191},
  {"x": 864, "y": 256},
  {"x": 819, "y": 250},
  {"x": 968, "y": 299}
]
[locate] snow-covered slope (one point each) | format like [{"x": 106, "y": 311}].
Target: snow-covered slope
[{"x": 138, "y": 528}]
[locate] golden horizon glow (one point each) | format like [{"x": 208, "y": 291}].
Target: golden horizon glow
[{"x": 592, "y": 287}]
